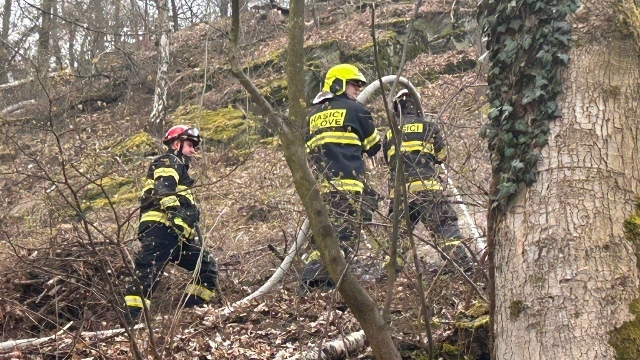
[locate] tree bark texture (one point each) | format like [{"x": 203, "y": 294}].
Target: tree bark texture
[
  {"x": 564, "y": 272},
  {"x": 4, "y": 43},
  {"x": 44, "y": 37},
  {"x": 162, "y": 80}
]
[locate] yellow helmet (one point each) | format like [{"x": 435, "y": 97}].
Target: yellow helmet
[{"x": 337, "y": 77}]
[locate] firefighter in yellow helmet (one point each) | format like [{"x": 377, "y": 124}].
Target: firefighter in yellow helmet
[
  {"x": 422, "y": 147},
  {"x": 339, "y": 131},
  {"x": 168, "y": 216}
]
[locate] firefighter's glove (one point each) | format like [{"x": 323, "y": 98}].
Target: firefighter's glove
[{"x": 182, "y": 228}]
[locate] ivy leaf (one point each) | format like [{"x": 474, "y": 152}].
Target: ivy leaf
[
  {"x": 563, "y": 57},
  {"x": 563, "y": 38}
]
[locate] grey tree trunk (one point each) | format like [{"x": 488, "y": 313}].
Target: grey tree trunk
[
  {"x": 71, "y": 47},
  {"x": 174, "y": 16},
  {"x": 4, "y": 45},
  {"x": 162, "y": 80},
  {"x": 117, "y": 22},
  {"x": 564, "y": 272},
  {"x": 44, "y": 37},
  {"x": 224, "y": 8}
]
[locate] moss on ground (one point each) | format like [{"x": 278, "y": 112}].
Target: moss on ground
[
  {"x": 110, "y": 190},
  {"x": 138, "y": 145}
]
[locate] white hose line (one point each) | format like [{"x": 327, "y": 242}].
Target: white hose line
[
  {"x": 364, "y": 95},
  {"x": 481, "y": 242},
  {"x": 218, "y": 314},
  {"x": 286, "y": 263}
]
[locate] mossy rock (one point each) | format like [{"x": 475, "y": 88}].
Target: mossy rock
[
  {"x": 389, "y": 46},
  {"x": 449, "y": 349},
  {"x": 319, "y": 58},
  {"x": 274, "y": 61},
  {"x": 478, "y": 309},
  {"x": 276, "y": 91},
  {"x": 226, "y": 126},
  {"x": 110, "y": 190},
  {"x": 474, "y": 324},
  {"x": 461, "y": 66},
  {"x": 138, "y": 145}
]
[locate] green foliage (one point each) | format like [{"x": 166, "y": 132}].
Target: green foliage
[
  {"x": 109, "y": 190},
  {"x": 450, "y": 349},
  {"x": 478, "y": 309},
  {"x": 527, "y": 43},
  {"x": 138, "y": 145},
  {"x": 626, "y": 338},
  {"x": 222, "y": 126}
]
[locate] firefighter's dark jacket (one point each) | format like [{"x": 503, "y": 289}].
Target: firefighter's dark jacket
[
  {"x": 167, "y": 197},
  {"x": 339, "y": 130},
  {"x": 422, "y": 148}
]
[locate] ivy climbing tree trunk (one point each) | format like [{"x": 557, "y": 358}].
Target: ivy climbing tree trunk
[
  {"x": 564, "y": 273},
  {"x": 162, "y": 80}
]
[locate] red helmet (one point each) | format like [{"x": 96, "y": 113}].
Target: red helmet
[{"x": 182, "y": 132}]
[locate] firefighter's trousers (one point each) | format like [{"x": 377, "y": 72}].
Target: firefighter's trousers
[
  {"x": 345, "y": 219},
  {"x": 432, "y": 208},
  {"x": 161, "y": 245}
]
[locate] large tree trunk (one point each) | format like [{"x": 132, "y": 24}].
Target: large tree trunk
[{"x": 564, "y": 272}]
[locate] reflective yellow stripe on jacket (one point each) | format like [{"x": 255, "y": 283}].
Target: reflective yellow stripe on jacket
[
  {"x": 186, "y": 192},
  {"x": 155, "y": 216},
  {"x": 370, "y": 141},
  {"x": 180, "y": 190},
  {"x": 135, "y": 301},
  {"x": 421, "y": 185},
  {"x": 200, "y": 291},
  {"x": 409, "y": 146},
  {"x": 161, "y": 172},
  {"x": 161, "y": 217},
  {"x": 168, "y": 201},
  {"x": 336, "y": 137},
  {"x": 342, "y": 185}
]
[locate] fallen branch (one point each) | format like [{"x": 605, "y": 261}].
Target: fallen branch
[
  {"x": 16, "y": 108},
  {"x": 94, "y": 335},
  {"x": 336, "y": 349},
  {"x": 25, "y": 81}
]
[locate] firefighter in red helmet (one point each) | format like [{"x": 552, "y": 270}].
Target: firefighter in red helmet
[{"x": 168, "y": 217}]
